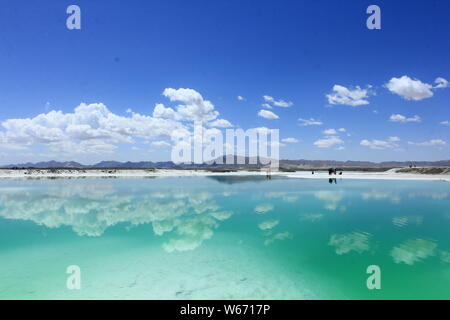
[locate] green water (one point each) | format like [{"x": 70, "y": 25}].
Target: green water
[{"x": 224, "y": 238}]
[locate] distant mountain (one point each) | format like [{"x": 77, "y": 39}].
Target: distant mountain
[
  {"x": 361, "y": 164},
  {"x": 48, "y": 164},
  {"x": 243, "y": 162}
]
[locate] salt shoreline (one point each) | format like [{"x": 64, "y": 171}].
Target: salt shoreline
[{"x": 143, "y": 173}]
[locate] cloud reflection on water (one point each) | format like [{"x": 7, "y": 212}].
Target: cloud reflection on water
[{"x": 90, "y": 209}]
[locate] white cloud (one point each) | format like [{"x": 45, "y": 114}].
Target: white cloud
[
  {"x": 160, "y": 144},
  {"x": 394, "y": 139},
  {"x": 342, "y": 130},
  {"x": 330, "y": 132},
  {"x": 160, "y": 111},
  {"x": 195, "y": 108},
  {"x": 410, "y": 89},
  {"x": 445, "y": 123},
  {"x": 277, "y": 103},
  {"x": 328, "y": 142},
  {"x": 310, "y": 122},
  {"x": 349, "y": 97},
  {"x": 275, "y": 144},
  {"x": 402, "y": 118},
  {"x": 93, "y": 128},
  {"x": 381, "y": 144},
  {"x": 289, "y": 140},
  {"x": 240, "y": 98},
  {"x": 430, "y": 143},
  {"x": 264, "y": 130},
  {"x": 441, "y": 83},
  {"x": 220, "y": 123},
  {"x": 266, "y": 105},
  {"x": 267, "y": 114}
]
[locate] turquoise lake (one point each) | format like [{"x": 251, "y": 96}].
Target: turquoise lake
[{"x": 224, "y": 238}]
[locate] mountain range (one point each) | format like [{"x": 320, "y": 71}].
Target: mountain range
[{"x": 289, "y": 164}]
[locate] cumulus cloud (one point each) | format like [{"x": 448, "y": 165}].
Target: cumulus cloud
[
  {"x": 310, "y": 122},
  {"x": 390, "y": 143},
  {"x": 194, "y": 107},
  {"x": 414, "y": 89},
  {"x": 441, "y": 83},
  {"x": 277, "y": 103},
  {"x": 160, "y": 111},
  {"x": 330, "y": 131},
  {"x": 240, "y": 98},
  {"x": 267, "y": 114},
  {"x": 160, "y": 144},
  {"x": 444, "y": 123},
  {"x": 402, "y": 118},
  {"x": 429, "y": 143},
  {"x": 350, "y": 97},
  {"x": 220, "y": 123},
  {"x": 93, "y": 128},
  {"x": 394, "y": 139},
  {"x": 328, "y": 142},
  {"x": 289, "y": 140}
]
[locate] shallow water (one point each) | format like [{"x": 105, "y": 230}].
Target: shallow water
[{"x": 224, "y": 238}]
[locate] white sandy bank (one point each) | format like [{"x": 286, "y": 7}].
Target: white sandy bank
[
  {"x": 122, "y": 173},
  {"x": 387, "y": 175}
]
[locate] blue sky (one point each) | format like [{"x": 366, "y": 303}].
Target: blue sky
[{"x": 128, "y": 53}]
